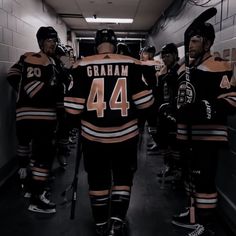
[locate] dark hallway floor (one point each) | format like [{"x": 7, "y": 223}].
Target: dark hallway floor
[{"x": 150, "y": 210}]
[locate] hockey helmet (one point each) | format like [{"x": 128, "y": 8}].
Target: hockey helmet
[
  {"x": 123, "y": 49},
  {"x": 105, "y": 35},
  {"x": 169, "y": 48},
  {"x": 46, "y": 33},
  {"x": 149, "y": 49},
  {"x": 206, "y": 30}
]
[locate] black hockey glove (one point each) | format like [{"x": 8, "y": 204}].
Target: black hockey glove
[
  {"x": 196, "y": 112},
  {"x": 166, "y": 112}
]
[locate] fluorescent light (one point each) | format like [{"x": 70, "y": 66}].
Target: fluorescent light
[
  {"x": 130, "y": 39},
  {"x": 108, "y": 20},
  {"x": 119, "y": 39},
  {"x": 85, "y": 38}
]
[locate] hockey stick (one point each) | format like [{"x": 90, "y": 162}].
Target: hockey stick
[
  {"x": 74, "y": 183},
  {"x": 75, "y": 180},
  {"x": 203, "y": 17}
]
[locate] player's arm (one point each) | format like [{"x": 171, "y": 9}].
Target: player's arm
[
  {"x": 74, "y": 101},
  {"x": 15, "y": 73}
]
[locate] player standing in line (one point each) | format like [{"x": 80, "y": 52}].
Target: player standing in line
[
  {"x": 151, "y": 68},
  {"x": 203, "y": 103},
  {"x": 166, "y": 100},
  {"x": 108, "y": 90},
  {"x": 39, "y": 98}
]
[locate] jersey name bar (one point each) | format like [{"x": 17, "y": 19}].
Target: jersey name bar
[{"x": 107, "y": 70}]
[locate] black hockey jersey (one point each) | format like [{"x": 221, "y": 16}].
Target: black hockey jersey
[
  {"x": 39, "y": 94},
  {"x": 107, "y": 90},
  {"x": 167, "y": 87},
  {"x": 210, "y": 81},
  {"x": 150, "y": 69}
]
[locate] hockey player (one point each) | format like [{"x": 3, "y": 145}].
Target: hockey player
[
  {"x": 38, "y": 96},
  {"x": 108, "y": 89},
  {"x": 63, "y": 65},
  {"x": 151, "y": 68},
  {"x": 203, "y": 105},
  {"x": 166, "y": 100},
  {"x": 147, "y": 58}
]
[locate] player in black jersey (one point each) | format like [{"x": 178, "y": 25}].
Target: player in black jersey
[
  {"x": 64, "y": 61},
  {"x": 205, "y": 98},
  {"x": 39, "y": 99},
  {"x": 151, "y": 68},
  {"x": 166, "y": 100},
  {"x": 107, "y": 93}
]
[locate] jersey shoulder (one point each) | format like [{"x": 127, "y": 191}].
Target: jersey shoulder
[
  {"x": 215, "y": 64},
  {"x": 37, "y": 58},
  {"x": 106, "y": 58},
  {"x": 151, "y": 63}
]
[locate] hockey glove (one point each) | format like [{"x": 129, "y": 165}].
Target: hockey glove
[
  {"x": 166, "y": 112},
  {"x": 196, "y": 112}
]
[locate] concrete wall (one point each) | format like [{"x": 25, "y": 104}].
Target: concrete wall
[
  {"x": 171, "y": 29},
  {"x": 19, "y": 22},
  {"x": 174, "y": 22}
]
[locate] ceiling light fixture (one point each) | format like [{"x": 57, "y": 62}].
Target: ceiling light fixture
[
  {"x": 108, "y": 20},
  {"x": 119, "y": 39}
]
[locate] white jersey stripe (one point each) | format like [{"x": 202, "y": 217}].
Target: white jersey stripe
[
  {"x": 111, "y": 134},
  {"x": 73, "y": 105}
]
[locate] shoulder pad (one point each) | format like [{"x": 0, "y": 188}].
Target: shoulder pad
[
  {"x": 29, "y": 54},
  {"x": 107, "y": 58},
  {"x": 215, "y": 65},
  {"x": 151, "y": 63},
  {"x": 37, "y": 59},
  {"x": 220, "y": 59},
  {"x": 24, "y": 56}
]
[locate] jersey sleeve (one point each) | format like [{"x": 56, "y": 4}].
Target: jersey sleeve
[
  {"x": 74, "y": 100},
  {"x": 15, "y": 73},
  {"x": 149, "y": 75},
  {"x": 142, "y": 93},
  {"x": 226, "y": 101}
]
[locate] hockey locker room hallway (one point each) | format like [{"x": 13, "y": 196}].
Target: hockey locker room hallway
[
  {"x": 42, "y": 40},
  {"x": 151, "y": 208}
]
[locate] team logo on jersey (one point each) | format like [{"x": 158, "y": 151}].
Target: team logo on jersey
[
  {"x": 186, "y": 93},
  {"x": 225, "y": 82}
]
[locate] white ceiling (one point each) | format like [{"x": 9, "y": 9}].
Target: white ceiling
[{"x": 144, "y": 12}]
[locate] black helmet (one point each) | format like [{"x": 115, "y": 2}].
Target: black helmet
[
  {"x": 169, "y": 48},
  {"x": 105, "y": 35},
  {"x": 206, "y": 30},
  {"x": 123, "y": 49},
  {"x": 149, "y": 49},
  {"x": 46, "y": 33}
]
